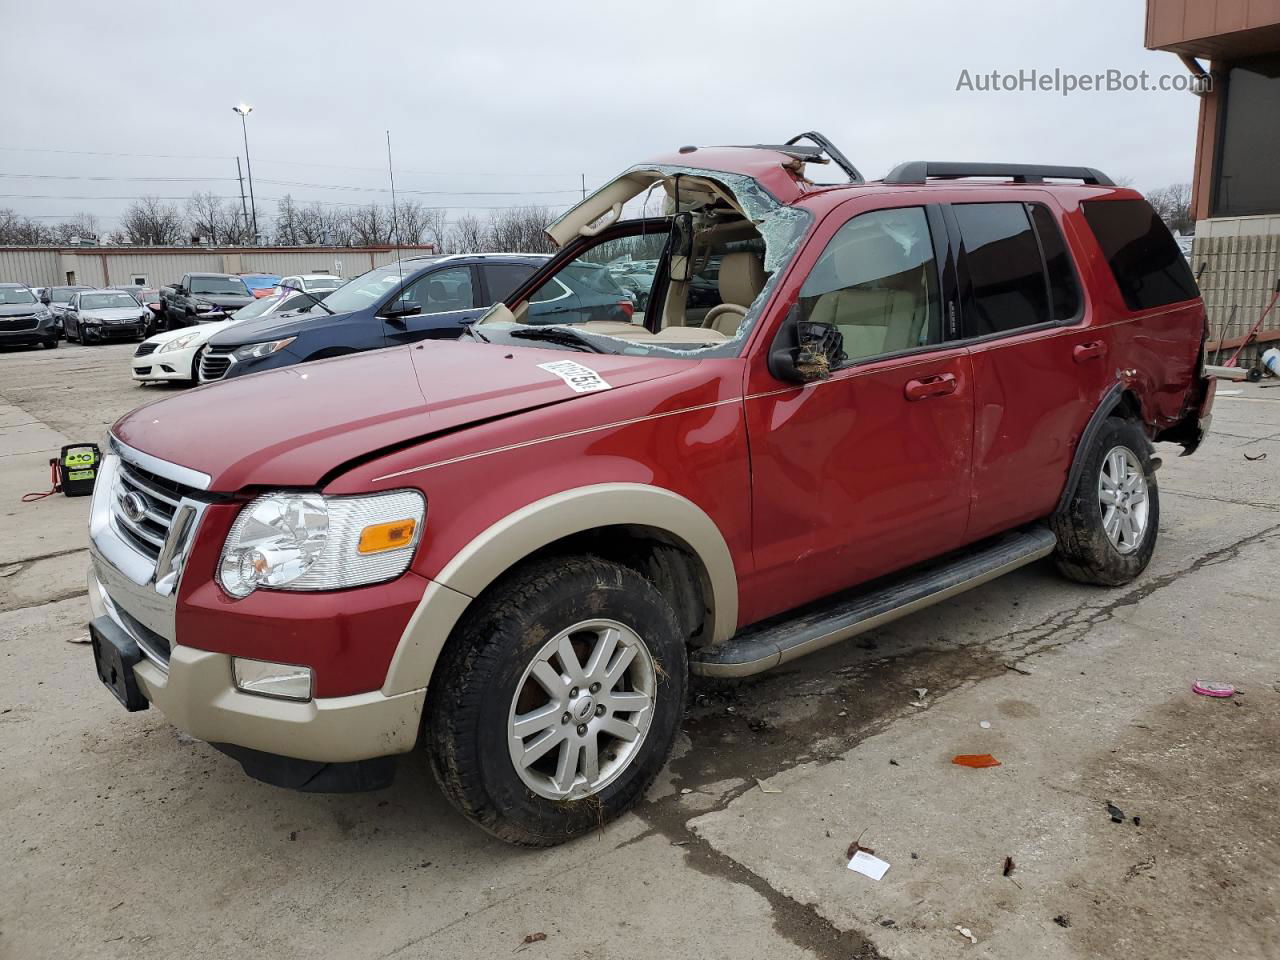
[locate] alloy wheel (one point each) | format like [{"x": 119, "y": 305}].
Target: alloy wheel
[
  {"x": 1122, "y": 498},
  {"x": 581, "y": 710}
]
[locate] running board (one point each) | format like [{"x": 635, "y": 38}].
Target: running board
[{"x": 777, "y": 641}]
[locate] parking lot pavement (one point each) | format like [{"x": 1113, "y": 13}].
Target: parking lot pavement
[{"x": 124, "y": 838}]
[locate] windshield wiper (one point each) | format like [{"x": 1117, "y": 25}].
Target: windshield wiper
[
  {"x": 469, "y": 328},
  {"x": 562, "y": 335},
  {"x": 311, "y": 296}
]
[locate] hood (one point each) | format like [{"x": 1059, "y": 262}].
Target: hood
[
  {"x": 113, "y": 313},
  {"x": 274, "y": 326},
  {"x": 20, "y": 309},
  {"x": 206, "y": 331},
  {"x": 295, "y": 425},
  {"x": 233, "y": 301}
]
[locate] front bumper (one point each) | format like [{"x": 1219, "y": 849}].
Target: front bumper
[
  {"x": 23, "y": 338},
  {"x": 194, "y": 688},
  {"x": 113, "y": 331},
  {"x": 165, "y": 365}
]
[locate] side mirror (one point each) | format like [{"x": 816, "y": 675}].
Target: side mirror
[
  {"x": 805, "y": 350},
  {"x": 402, "y": 308},
  {"x": 180, "y": 291},
  {"x": 46, "y": 299}
]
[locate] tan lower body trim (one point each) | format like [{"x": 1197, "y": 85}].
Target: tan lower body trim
[{"x": 197, "y": 696}]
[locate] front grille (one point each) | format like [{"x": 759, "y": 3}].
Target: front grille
[
  {"x": 145, "y": 348},
  {"x": 19, "y": 323},
  {"x": 160, "y": 499},
  {"x": 215, "y": 363}
]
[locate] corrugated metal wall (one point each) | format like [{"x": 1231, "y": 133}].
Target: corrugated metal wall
[
  {"x": 101, "y": 266},
  {"x": 1239, "y": 276}
]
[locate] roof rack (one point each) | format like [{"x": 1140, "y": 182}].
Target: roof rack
[
  {"x": 824, "y": 151},
  {"x": 921, "y": 171}
]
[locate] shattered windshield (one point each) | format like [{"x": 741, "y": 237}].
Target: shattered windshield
[{"x": 690, "y": 282}]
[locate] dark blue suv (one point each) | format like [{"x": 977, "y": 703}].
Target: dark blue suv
[{"x": 419, "y": 299}]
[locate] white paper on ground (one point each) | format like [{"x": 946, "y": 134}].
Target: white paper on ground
[{"x": 867, "y": 865}]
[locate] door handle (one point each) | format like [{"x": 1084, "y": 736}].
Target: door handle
[
  {"x": 1088, "y": 351},
  {"x": 926, "y": 387}
]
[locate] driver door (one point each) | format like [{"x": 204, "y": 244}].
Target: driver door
[{"x": 867, "y": 471}]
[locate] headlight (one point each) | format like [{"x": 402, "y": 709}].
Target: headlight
[
  {"x": 204, "y": 306},
  {"x": 306, "y": 541},
  {"x": 255, "y": 351},
  {"x": 179, "y": 343},
  {"x": 44, "y": 313}
]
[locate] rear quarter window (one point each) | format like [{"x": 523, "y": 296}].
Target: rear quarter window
[{"x": 1144, "y": 258}]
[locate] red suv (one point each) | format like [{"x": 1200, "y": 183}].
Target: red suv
[{"x": 833, "y": 405}]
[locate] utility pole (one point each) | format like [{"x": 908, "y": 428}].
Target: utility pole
[
  {"x": 243, "y": 206},
  {"x": 584, "y": 186},
  {"x": 244, "y": 110}
]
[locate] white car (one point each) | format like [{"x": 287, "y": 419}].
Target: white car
[
  {"x": 174, "y": 355},
  {"x": 317, "y": 283}
]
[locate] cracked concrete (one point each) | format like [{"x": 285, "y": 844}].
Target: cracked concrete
[{"x": 126, "y": 839}]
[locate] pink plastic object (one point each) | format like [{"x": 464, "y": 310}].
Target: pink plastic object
[{"x": 1207, "y": 689}]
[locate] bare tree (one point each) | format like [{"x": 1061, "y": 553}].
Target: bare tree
[
  {"x": 22, "y": 231},
  {"x": 1173, "y": 203},
  {"x": 410, "y": 222},
  {"x": 209, "y": 219},
  {"x": 149, "y": 221},
  {"x": 371, "y": 224},
  {"x": 287, "y": 224},
  {"x": 519, "y": 230},
  {"x": 83, "y": 226},
  {"x": 435, "y": 226},
  {"x": 467, "y": 235}
]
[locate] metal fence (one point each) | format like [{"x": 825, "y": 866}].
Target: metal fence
[{"x": 1238, "y": 275}]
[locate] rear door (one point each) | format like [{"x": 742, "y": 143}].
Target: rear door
[
  {"x": 447, "y": 297},
  {"x": 866, "y": 472},
  {"x": 1038, "y": 367}
]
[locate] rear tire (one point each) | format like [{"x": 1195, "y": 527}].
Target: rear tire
[
  {"x": 1107, "y": 532},
  {"x": 502, "y": 689}
]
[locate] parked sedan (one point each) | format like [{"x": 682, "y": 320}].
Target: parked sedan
[
  {"x": 57, "y": 298},
  {"x": 174, "y": 355},
  {"x": 25, "y": 320},
  {"x": 97, "y": 315}
]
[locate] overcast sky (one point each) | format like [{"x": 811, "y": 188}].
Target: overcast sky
[{"x": 514, "y": 99}]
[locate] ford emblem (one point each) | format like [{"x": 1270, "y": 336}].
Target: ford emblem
[{"x": 134, "y": 506}]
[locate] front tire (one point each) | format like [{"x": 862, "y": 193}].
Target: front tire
[
  {"x": 557, "y": 702},
  {"x": 1107, "y": 532}
]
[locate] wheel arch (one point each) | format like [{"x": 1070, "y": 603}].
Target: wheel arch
[
  {"x": 608, "y": 519},
  {"x": 1119, "y": 399}
]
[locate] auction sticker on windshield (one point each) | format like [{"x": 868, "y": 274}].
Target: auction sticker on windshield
[{"x": 579, "y": 378}]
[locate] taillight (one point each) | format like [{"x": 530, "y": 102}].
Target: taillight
[{"x": 627, "y": 307}]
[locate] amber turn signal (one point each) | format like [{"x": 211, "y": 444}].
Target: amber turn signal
[{"x": 387, "y": 536}]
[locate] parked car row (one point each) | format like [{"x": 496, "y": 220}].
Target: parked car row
[
  {"x": 92, "y": 315},
  {"x": 837, "y": 405}
]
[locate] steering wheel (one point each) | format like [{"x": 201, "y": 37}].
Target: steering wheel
[{"x": 719, "y": 310}]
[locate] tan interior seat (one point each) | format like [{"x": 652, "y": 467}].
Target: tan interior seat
[
  {"x": 741, "y": 279},
  {"x": 874, "y": 308},
  {"x": 872, "y": 321}
]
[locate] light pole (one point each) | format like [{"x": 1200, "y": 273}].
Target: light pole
[{"x": 244, "y": 110}]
